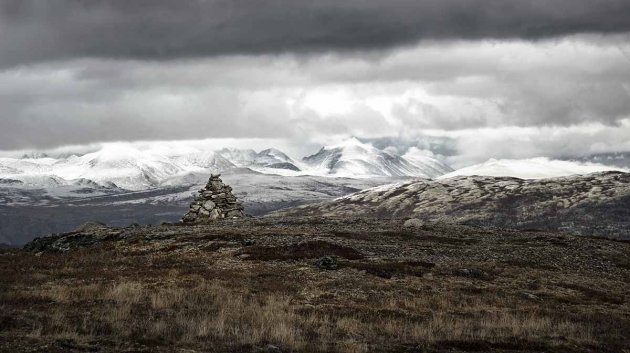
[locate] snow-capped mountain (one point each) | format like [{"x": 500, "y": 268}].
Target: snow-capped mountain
[
  {"x": 268, "y": 158},
  {"x": 532, "y": 168},
  {"x": 204, "y": 160},
  {"x": 353, "y": 158},
  {"x": 122, "y": 165},
  {"x": 127, "y": 168},
  {"x": 429, "y": 165},
  {"x": 139, "y": 167},
  {"x": 114, "y": 165}
]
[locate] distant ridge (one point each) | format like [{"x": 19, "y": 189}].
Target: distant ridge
[
  {"x": 532, "y": 168},
  {"x": 595, "y": 204}
]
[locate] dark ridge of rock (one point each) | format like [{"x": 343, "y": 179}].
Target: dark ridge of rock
[
  {"x": 86, "y": 235},
  {"x": 215, "y": 201},
  {"x": 5, "y": 181},
  {"x": 285, "y": 165},
  {"x": 596, "y": 204}
]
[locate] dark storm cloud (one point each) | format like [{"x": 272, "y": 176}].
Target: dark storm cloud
[{"x": 34, "y": 30}]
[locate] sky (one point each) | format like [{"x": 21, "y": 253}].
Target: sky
[{"x": 468, "y": 79}]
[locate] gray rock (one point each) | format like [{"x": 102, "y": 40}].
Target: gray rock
[
  {"x": 189, "y": 217},
  {"x": 214, "y": 214},
  {"x": 273, "y": 349},
  {"x": 528, "y": 296},
  {"x": 216, "y": 185},
  {"x": 209, "y": 205},
  {"x": 413, "y": 223},
  {"x": 472, "y": 273},
  {"x": 234, "y": 214}
]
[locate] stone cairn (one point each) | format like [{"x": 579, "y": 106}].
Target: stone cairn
[{"x": 215, "y": 201}]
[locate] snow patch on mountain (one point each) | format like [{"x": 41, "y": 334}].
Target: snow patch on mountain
[{"x": 533, "y": 168}]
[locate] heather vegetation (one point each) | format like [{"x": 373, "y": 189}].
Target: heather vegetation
[{"x": 257, "y": 285}]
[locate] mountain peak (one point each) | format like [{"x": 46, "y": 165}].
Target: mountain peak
[
  {"x": 351, "y": 142},
  {"x": 352, "y": 158}
]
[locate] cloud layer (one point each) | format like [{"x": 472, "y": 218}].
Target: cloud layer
[
  {"x": 468, "y": 79},
  {"x": 436, "y": 86},
  {"x": 33, "y": 30}
]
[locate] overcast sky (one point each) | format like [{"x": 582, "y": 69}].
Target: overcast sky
[{"x": 484, "y": 78}]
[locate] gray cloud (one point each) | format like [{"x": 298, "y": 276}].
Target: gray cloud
[
  {"x": 466, "y": 100},
  {"x": 477, "y": 145},
  {"x": 33, "y": 30}
]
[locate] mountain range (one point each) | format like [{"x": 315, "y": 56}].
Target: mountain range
[
  {"x": 123, "y": 183},
  {"x": 129, "y": 167}
]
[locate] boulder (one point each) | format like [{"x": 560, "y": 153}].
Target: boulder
[
  {"x": 189, "y": 217},
  {"x": 214, "y": 214},
  {"x": 209, "y": 205}
]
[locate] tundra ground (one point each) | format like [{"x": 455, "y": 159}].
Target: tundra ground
[{"x": 253, "y": 286}]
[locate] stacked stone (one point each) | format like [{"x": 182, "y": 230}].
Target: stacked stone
[{"x": 215, "y": 201}]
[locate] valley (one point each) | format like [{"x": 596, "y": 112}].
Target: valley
[{"x": 26, "y": 213}]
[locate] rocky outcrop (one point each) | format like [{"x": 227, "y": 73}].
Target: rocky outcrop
[
  {"x": 596, "y": 204},
  {"x": 88, "y": 234},
  {"x": 215, "y": 201}
]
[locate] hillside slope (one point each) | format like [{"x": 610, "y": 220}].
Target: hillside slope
[{"x": 596, "y": 204}]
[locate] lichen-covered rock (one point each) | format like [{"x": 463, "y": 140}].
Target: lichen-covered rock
[{"x": 214, "y": 201}]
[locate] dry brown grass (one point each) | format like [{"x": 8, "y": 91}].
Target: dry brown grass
[
  {"x": 210, "y": 311},
  {"x": 129, "y": 309},
  {"x": 136, "y": 295}
]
